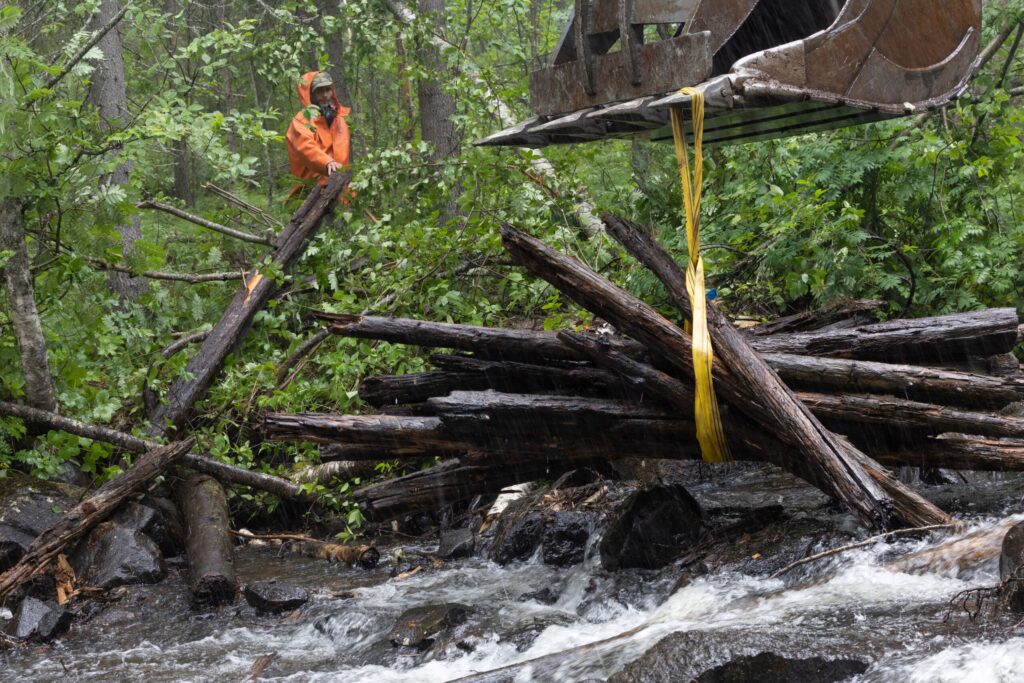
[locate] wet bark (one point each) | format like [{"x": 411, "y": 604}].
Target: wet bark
[
  {"x": 90, "y": 512},
  {"x": 835, "y": 472},
  {"x": 208, "y": 362},
  {"x": 40, "y": 390},
  {"x": 843, "y": 314},
  {"x": 208, "y": 544}
]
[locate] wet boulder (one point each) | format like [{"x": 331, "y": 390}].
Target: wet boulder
[
  {"x": 27, "y": 507},
  {"x": 113, "y": 555},
  {"x": 545, "y": 596},
  {"x": 456, "y": 543},
  {"x": 420, "y": 626},
  {"x": 157, "y": 518},
  {"x": 768, "y": 667},
  {"x": 518, "y": 537},
  {"x": 652, "y": 528},
  {"x": 38, "y": 620},
  {"x": 270, "y": 597},
  {"x": 1011, "y": 568},
  {"x": 565, "y": 536}
]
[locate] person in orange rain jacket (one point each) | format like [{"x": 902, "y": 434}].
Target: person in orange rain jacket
[{"x": 319, "y": 146}]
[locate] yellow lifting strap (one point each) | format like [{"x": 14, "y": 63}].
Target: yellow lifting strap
[{"x": 710, "y": 434}]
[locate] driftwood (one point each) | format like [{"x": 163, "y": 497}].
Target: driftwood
[
  {"x": 90, "y": 512},
  {"x": 835, "y": 472},
  {"x": 251, "y": 298},
  {"x": 201, "y": 463},
  {"x": 208, "y": 544}
]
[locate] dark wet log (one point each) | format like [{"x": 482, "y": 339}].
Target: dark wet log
[
  {"x": 491, "y": 342},
  {"x": 960, "y": 452},
  {"x": 747, "y": 439},
  {"x": 529, "y": 378},
  {"x": 909, "y": 381},
  {"x": 90, "y": 512},
  {"x": 179, "y": 403},
  {"x": 201, "y": 463},
  {"x": 920, "y": 340},
  {"x": 771, "y": 406},
  {"x": 451, "y": 482},
  {"x": 387, "y": 431},
  {"x": 208, "y": 545},
  {"x": 386, "y": 390},
  {"x": 895, "y": 412},
  {"x": 844, "y": 314},
  {"x": 336, "y": 452}
]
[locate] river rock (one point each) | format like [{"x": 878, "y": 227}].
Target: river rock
[
  {"x": 456, "y": 543},
  {"x": 270, "y": 597},
  {"x": 27, "y": 507},
  {"x": 518, "y": 536},
  {"x": 565, "y": 536},
  {"x": 767, "y": 667},
  {"x": 1011, "y": 566},
  {"x": 113, "y": 555},
  {"x": 653, "y": 527},
  {"x": 38, "y": 620},
  {"x": 419, "y": 626},
  {"x": 157, "y": 518}
]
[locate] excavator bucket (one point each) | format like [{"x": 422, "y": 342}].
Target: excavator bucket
[{"x": 767, "y": 68}]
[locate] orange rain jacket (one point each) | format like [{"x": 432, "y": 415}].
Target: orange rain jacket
[{"x": 311, "y": 144}]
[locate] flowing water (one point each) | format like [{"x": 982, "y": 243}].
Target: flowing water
[{"x": 872, "y": 604}]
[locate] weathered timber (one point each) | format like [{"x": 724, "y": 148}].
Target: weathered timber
[
  {"x": 74, "y": 524},
  {"x": 799, "y": 371},
  {"x": 385, "y": 431},
  {"x": 920, "y": 340},
  {"x": 492, "y": 342},
  {"x": 578, "y": 379},
  {"x": 836, "y": 474},
  {"x": 961, "y": 452},
  {"x": 398, "y": 389},
  {"x": 896, "y": 412},
  {"x": 747, "y": 439},
  {"x": 201, "y": 463},
  {"x": 208, "y": 545},
  {"x": 845, "y": 313},
  {"x": 451, "y": 482},
  {"x": 183, "y": 394},
  {"x": 337, "y": 452},
  {"x": 932, "y": 385}
]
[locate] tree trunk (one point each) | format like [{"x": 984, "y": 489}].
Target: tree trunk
[
  {"x": 40, "y": 390},
  {"x": 108, "y": 92},
  {"x": 844, "y": 314},
  {"x": 208, "y": 542},
  {"x": 90, "y": 512},
  {"x": 250, "y": 299}
]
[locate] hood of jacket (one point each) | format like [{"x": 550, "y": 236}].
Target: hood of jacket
[{"x": 306, "y": 96}]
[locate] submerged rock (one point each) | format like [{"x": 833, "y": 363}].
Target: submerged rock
[
  {"x": 418, "y": 627},
  {"x": 456, "y": 543},
  {"x": 113, "y": 555},
  {"x": 767, "y": 667},
  {"x": 38, "y": 620},
  {"x": 270, "y": 597},
  {"x": 1011, "y": 566},
  {"x": 654, "y": 526}
]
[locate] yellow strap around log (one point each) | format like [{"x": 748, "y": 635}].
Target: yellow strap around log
[{"x": 710, "y": 434}]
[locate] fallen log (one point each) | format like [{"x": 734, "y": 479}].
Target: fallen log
[
  {"x": 201, "y": 463},
  {"x": 413, "y": 388},
  {"x": 756, "y": 445},
  {"x": 191, "y": 386},
  {"x": 74, "y": 524},
  {"x": 835, "y": 473},
  {"x": 385, "y": 431},
  {"x": 843, "y": 313},
  {"x": 960, "y": 452},
  {"x": 208, "y": 545},
  {"x": 940, "y": 339}
]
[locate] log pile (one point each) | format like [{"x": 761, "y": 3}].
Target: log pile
[{"x": 832, "y": 398}]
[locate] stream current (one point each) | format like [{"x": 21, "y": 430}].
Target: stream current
[{"x": 872, "y": 604}]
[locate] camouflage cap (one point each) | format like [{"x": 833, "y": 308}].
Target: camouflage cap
[{"x": 321, "y": 80}]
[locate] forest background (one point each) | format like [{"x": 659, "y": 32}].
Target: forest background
[{"x": 182, "y": 97}]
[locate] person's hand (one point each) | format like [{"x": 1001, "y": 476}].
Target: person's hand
[{"x": 332, "y": 166}]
